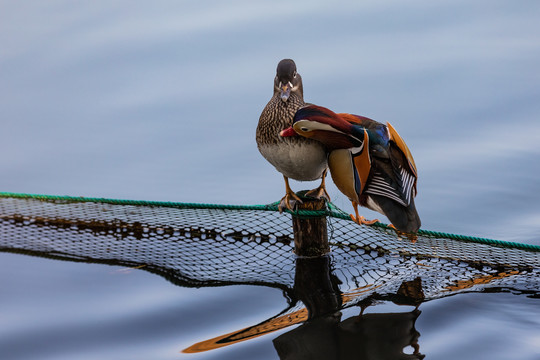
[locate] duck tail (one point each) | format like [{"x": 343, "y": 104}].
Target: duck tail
[{"x": 404, "y": 218}]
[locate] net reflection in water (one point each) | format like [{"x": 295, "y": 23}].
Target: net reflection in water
[{"x": 195, "y": 246}]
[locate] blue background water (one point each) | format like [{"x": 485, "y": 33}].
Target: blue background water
[{"x": 159, "y": 101}]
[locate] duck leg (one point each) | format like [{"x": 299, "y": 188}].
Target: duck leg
[
  {"x": 290, "y": 199},
  {"x": 360, "y": 219},
  {"x": 320, "y": 192}
]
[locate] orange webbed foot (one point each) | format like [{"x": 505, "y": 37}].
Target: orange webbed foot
[
  {"x": 318, "y": 193},
  {"x": 360, "y": 220},
  {"x": 289, "y": 201},
  {"x": 411, "y": 236}
]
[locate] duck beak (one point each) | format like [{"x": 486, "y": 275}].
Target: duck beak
[
  {"x": 286, "y": 91},
  {"x": 288, "y": 132}
]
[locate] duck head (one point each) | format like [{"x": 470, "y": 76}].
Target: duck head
[
  {"x": 321, "y": 124},
  {"x": 287, "y": 80}
]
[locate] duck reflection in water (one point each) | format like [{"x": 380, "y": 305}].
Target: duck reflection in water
[
  {"x": 366, "y": 336},
  {"x": 323, "y": 334}
]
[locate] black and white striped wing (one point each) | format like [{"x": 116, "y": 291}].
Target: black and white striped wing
[{"x": 399, "y": 188}]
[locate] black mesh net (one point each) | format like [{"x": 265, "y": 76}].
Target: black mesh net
[
  {"x": 220, "y": 246},
  {"x": 199, "y": 246}
]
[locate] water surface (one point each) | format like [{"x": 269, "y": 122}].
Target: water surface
[{"x": 160, "y": 102}]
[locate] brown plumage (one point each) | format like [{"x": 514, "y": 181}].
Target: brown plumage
[{"x": 297, "y": 158}]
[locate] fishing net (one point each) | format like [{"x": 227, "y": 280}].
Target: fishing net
[{"x": 198, "y": 245}]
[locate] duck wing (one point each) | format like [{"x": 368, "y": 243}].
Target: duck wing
[
  {"x": 392, "y": 169},
  {"x": 392, "y": 177}
]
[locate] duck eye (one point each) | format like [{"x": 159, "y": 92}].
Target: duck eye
[{"x": 294, "y": 74}]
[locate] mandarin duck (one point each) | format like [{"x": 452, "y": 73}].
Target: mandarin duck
[
  {"x": 298, "y": 158},
  {"x": 369, "y": 162}
]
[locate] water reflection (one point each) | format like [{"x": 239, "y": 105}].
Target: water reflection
[
  {"x": 198, "y": 246},
  {"x": 316, "y": 286},
  {"x": 369, "y": 336},
  {"x": 325, "y": 336},
  {"x": 322, "y": 333}
]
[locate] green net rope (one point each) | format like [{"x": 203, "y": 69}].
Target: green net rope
[
  {"x": 200, "y": 245},
  {"x": 331, "y": 211}
]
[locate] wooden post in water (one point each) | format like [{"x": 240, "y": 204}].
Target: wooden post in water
[{"x": 310, "y": 234}]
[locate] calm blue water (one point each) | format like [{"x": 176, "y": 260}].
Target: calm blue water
[{"x": 160, "y": 101}]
